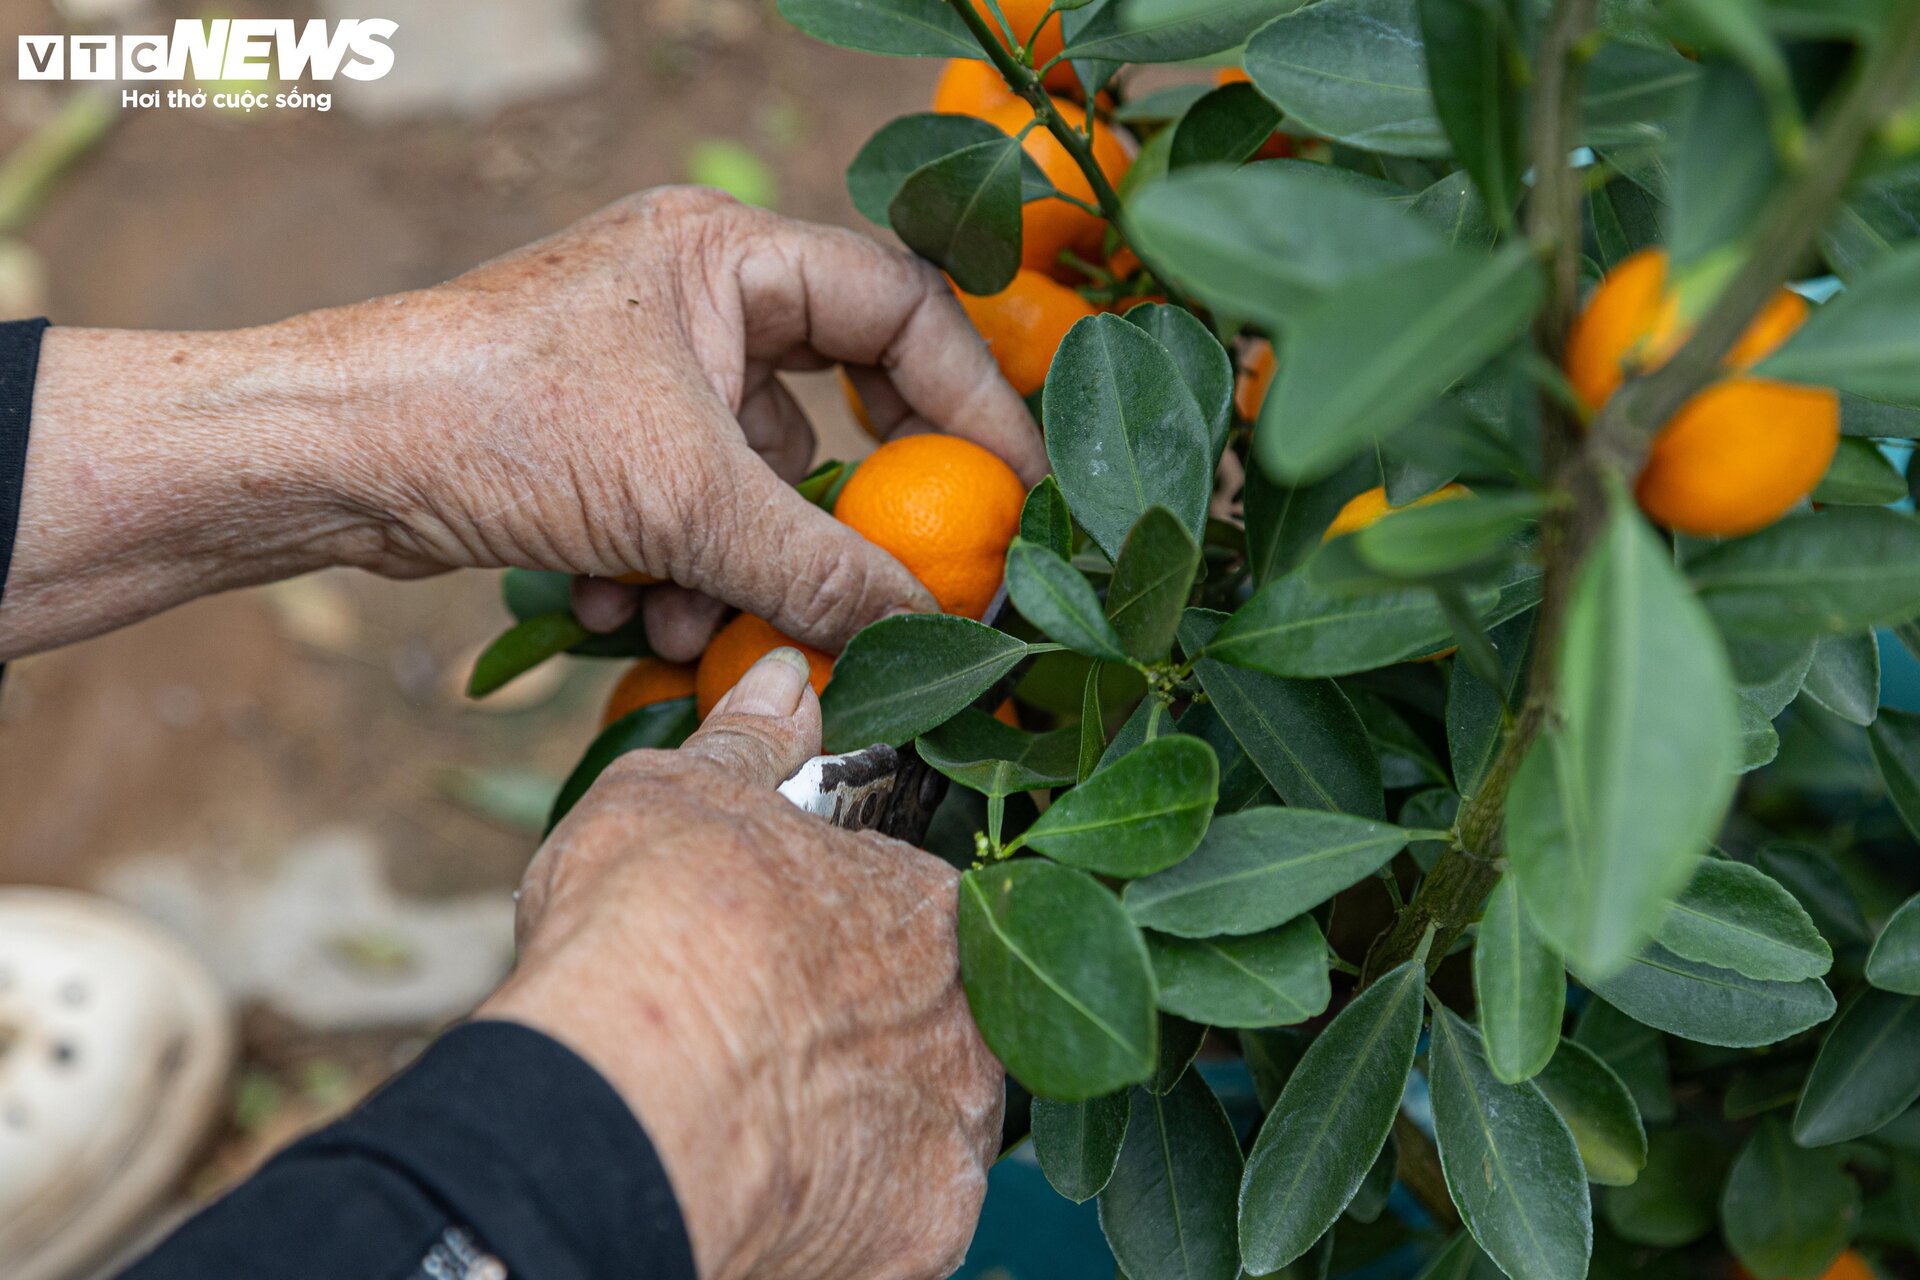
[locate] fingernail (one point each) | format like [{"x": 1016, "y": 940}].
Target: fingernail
[{"x": 771, "y": 686}]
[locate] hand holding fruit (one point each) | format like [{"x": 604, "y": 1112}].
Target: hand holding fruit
[{"x": 779, "y": 1000}]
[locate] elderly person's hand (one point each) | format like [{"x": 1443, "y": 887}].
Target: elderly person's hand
[
  {"x": 778, "y": 1000},
  {"x": 603, "y": 403}
]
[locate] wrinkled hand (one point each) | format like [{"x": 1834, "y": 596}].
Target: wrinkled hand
[
  {"x": 605, "y": 402},
  {"x": 779, "y": 1001}
]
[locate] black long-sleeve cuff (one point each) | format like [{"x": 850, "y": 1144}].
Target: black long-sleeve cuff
[{"x": 497, "y": 1131}]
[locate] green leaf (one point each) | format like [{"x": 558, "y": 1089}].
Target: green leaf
[
  {"x": 522, "y": 647},
  {"x": 1242, "y": 785},
  {"x": 1634, "y": 91},
  {"x": 976, "y": 750},
  {"x": 1447, "y": 537},
  {"x": 1093, "y": 728},
  {"x": 907, "y": 28},
  {"x": 1478, "y": 712},
  {"x": 1811, "y": 877},
  {"x": 1303, "y": 735},
  {"x": 1673, "y": 1201},
  {"x": 1866, "y": 341},
  {"x": 1352, "y": 71},
  {"x": 527, "y": 593},
  {"x": 1461, "y": 1259},
  {"x": 1285, "y": 525},
  {"x": 1123, "y": 431},
  {"x": 1860, "y": 476},
  {"x": 1260, "y": 868},
  {"x": 1471, "y": 58},
  {"x": 1633, "y": 1051},
  {"x": 1453, "y": 204},
  {"x": 1270, "y": 241},
  {"x": 658, "y": 725},
  {"x": 903, "y": 675},
  {"x": 1611, "y": 810},
  {"x": 1370, "y": 1201},
  {"x": 1599, "y": 1112},
  {"x": 1202, "y": 361},
  {"x": 1272, "y": 979},
  {"x": 1180, "y": 1042},
  {"x": 1360, "y": 365},
  {"x": 1140, "y": 815},
  {"x": 1058, "y": 979},
  {"x": 1895, "y": 739},
  {"x": 1878, "y": 214},
  {"x": 1225, "y": 127},
  {"x": 1078, "y": 1143},
  {"x": 905, "y": 144},
  {"x": 1709, "y": 1004},
  {"x": 1877, "y": 419},
  {"x": 1052, "y": 595},
  {"x": 1332, "y": 1119},
  {"x": 1787, "y": 1211},
  {"x": 1152, "y": 578},
  {"x": 1519, "y": 989},
  {"x": 1867, "y": 1073},
  {"x": 1725, "y": 168},
  {"x": 1045, "y": 520},
  {"x": 1168, "y": 1212},
  {"x": 1510, "y": 1161},
  {"x": 1121, "y": 33},
  {"x": 1738, "y": 917},
  {"x": 1894, "y": 963},
  {"x": 962, "y": 213},
  {"x": 1295, "y": 627},
  {"x": 1845, "y": 676}
]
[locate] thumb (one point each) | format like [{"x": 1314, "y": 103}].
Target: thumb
[
  {"x": 812, "y": 577},
  {"x": 766, "y": 726}
]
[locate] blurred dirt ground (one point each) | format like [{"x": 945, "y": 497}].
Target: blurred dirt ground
[{"x": 289, "y": 776}]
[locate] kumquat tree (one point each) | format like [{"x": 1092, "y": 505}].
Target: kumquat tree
[{"x": 1446, "y": 658}]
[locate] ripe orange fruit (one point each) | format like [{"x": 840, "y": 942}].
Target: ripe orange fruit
[
  {"x": 1368, "y": 508},
  {"x": 1024, "y": 324},
  {"x": 970, "y": 87},
  {"x": 1025, "y": 17},
  {"x": 646, "y": 682},
  {"x": 1848, "y": 1266},
  {"x": 1051, "y": 226},
  {"x": 739, "y": 645},
  {"x": 1256, "y": 377},
  {"x": 1007, "y": 714},
  {"x": 943, "y": 507},
  {"x": 1231, "y": 75},
  {"x": 1739, "y": 455}
]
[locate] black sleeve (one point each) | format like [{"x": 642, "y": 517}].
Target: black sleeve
[
  {"x": 19, "y": 361},
  {"x": 498, "y": 1154}
]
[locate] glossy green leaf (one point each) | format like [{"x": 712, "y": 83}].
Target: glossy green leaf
[
  {"x": 1272, "y": 979},
  {"x": 1878, "y": 214},
  {"x": 1058, "y": 979},
  {"x": 1509, "y": 1159},
  {"x": 1895, "y": 739},
  {"x": 1738, "y": 917},
  {"x": 1860, "y": 476},
  {"x": 1332, "y": 1118},
  {"x": 1454, "y": 205},
  {"x": 1225, "y": 127},
  {"x": 1360, "y": 365},
  {"x": 1633, "y": 1051},
  {"x": 658, "y": 725},
  {"x": 1725, "y": 165},
  {"x": 1894, "y": 963},
  {"x": 1461, "y": 1259},
  {"x": 1152, "y": 578},
  {"x": 1180, "y": 1042},
  {"x": 1052, "y": 595},
  {"x": 979, "y": 751},
  {"x": 1260, "y": 868},
  {"x": 1675, "y": 1199},
  {"x": 1242, "y": 785},
  {"x": 1268, "y": 241},
  {"x": 1787, "y": 1211},
  {"x": 1370, "y": 1201},
  {"x": 903, "y": 675},
  {"x": 1600, "y": 1113},
  {"x": 1845, "y": 676},
  {"x": 1123, "y": 431},
  {"x": 1295, "y": 627},
  {"x": 1123, "y": 33},
  {"x": 1472, "y": 61},
  {"x": 1203, "y": 363},
  {"x": 1634, "y": 90},
  {"x": 1093, "y": 729},
  {"x": 908, "y": 142},
  {"x": 1138, "y": 816},
  {"x": 1866, "y": 340},
  {"x": 1519, "y": 989},
  {"x": 1444, "y": 538},
  {"x": 1078, "y": 1143},
  {"x": 1478, "y": 712},
  {"x": 1168, "y": 1212},
  {"x": 962, "y": 213},
  {"x": 1841, "y": 570},
  {"x": 1811, "y": 877},
  {"x": 1353, "y": 71},
  {"x": 522, "y": 647},
  {"x": 1286, "y": 524},
  {"x": 1709, "y": 1004},
  {"x": 1611, "y": 810},
  {"x": 1867, "y": 1073},
  {"x": 1045, "y": 520},
  {"x": 906, "y": 28}
]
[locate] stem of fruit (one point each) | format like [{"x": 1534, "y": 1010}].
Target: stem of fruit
[
  {"x": 1586, "y": 463},
  {"x": 1024, "y": 81}
]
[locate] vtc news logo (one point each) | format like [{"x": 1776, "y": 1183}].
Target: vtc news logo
[{"x": 223, "y": 49}]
